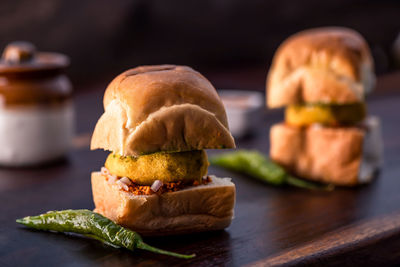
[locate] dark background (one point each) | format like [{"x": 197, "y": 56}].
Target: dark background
[
  {"x": 232, "y": 42},
  {"x": 104, "y": 38}
]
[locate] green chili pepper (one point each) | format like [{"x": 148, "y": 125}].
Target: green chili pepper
[
  {"x": 258, "y": 166},
  {"x": 95, "y": 226}
]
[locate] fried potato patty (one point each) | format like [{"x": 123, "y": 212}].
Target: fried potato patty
[
  {"x": 168, "y": 167},
  {"x": 329, "y": 115}
]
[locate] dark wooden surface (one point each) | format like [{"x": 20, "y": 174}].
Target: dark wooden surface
[{"x": 272, "y": 225}]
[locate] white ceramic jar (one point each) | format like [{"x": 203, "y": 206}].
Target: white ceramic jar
[{"x": 36, "y": 109}]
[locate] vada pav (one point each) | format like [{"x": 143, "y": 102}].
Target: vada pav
[
  {"x": 157, "y": 122},
  {"x": 321, "y": 77}
]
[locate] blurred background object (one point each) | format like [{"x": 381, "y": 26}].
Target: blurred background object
[
  {"x": 104, "y": 38},
  {"x": 242, "y": 109},
  {"x": 396, "y": 51},
  {"x": 36, "y": 111}
]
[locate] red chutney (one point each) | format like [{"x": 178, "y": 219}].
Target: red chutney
[{"x": 165, "y": 188}]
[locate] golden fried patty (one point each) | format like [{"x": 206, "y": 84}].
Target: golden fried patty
[
  {"x": 168, "y": 167},
  {"x": 329, "y": 115}
]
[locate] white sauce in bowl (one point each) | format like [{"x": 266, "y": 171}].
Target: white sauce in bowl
[{"x": 241, "y": 109}]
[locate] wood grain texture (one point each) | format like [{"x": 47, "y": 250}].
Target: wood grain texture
[
  {"x": 342, "y": 240},
  {"x": 274, "y": 225}
]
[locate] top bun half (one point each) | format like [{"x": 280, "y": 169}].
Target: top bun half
[
  {"x": 161, "y": 108},
  {"x": 322, "y": 65}
]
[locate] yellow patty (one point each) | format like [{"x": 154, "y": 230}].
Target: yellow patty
[
  {"x": 330, "y": 115},
  {"x": 167, "y": 167}
]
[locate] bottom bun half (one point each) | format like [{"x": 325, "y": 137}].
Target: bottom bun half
[
  {"x": 344, "y": 156},
  {"x": 193, "y": 209}
]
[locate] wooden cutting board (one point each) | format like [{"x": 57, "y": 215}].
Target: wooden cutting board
[{"x": 272, "y": 225}]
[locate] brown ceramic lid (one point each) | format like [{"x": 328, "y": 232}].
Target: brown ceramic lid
[
  {"x": 21, "y": 57},
  {"x": 28, "y": 77}
]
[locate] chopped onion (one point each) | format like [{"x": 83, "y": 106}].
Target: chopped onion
[
  {"x": 156, "y": 185},
  {"x": 104, "y": 171},
  {"x": 122, "y": 185},
  {"x": 317, "y": 125},
  {"x": 112, "y": 178},
  {"x": 126, "y": 180}
]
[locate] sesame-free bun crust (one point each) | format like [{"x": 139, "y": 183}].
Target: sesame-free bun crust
[
  {"x": 344, "y": 156},
  {"x": 322, "y": 65},
  {"x": 195, "y": 209},
  {"x": 161, "y": 108}
]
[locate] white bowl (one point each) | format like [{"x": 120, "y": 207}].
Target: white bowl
[{"x": 241, "y": 108}]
